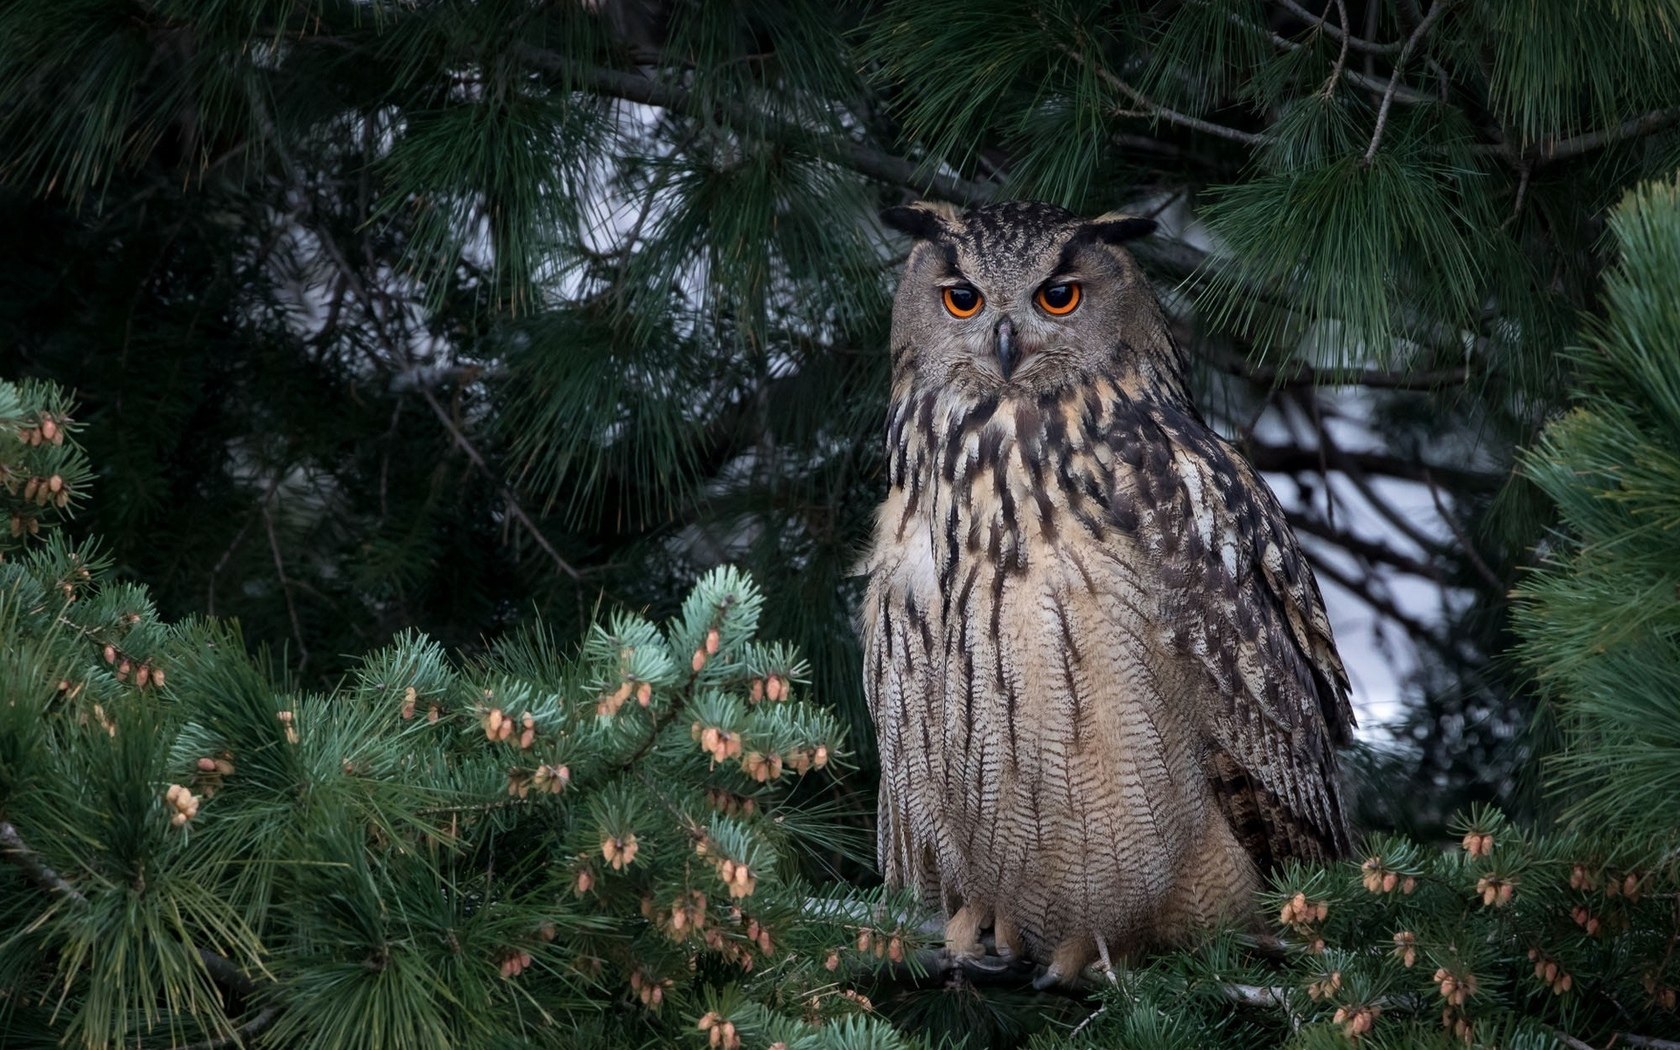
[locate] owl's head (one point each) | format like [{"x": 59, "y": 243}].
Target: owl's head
[{"x": 1023, "y": 298}]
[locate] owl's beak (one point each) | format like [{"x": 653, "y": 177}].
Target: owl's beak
[{"x": 1008, "y": 354}]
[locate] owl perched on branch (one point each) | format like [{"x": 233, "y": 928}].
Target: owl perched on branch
[{"x": 1105, "y": 689}]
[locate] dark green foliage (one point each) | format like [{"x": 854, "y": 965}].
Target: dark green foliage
[
  {"x": 1509, "y": 940},
  {"x": 1601, "y": 619},
  {"x": 436, "y": 853},
  {"x": 437, "y": 330}
]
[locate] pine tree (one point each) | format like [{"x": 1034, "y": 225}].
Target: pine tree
[
  {"x": 526, "y": 848},
  {"x": 432, "y": 314},
  {"x": 1599, "y": 620},
  {"x": 422, "y": 336}
]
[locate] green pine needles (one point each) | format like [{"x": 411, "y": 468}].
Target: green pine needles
[
  {"x": 1601, "y": 617},
  {"x": 526, "y": 848}
]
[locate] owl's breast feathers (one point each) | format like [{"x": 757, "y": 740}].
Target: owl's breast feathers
[{"x": 1096, "y": 475}]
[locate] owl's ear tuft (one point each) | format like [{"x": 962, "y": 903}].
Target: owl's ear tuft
[
  {"x": 1117, "y": 228},
  {"x": 924, "y": 220}
]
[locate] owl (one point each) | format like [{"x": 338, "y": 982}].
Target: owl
[{"x": 1104, "y": 687}]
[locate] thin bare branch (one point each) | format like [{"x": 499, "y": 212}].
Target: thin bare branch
[
  {"x": 1361, "y": 589},
  {"x": 1341, "y": 57},
  {"x": 1293, "y": 459},
  {"x": 1364, "y": 548},
  {"x": 1488, "y": 575},
  {"x": 242, "y": 1035},
  {"x": 1172, "y": 116},
  {"x": 1347, "y": 39},
  {"x": 512, "y": 503},
  {"x": 866, "y": 160},
  {"x": 1394, "y": 77},
  {"x": 16, "y": 851},
  {"x": 285, "y": 581},
  {"x": 1558, "y": 149},
  {"x": 1641, "y": 1042},
  {"x": 1299, "y": 374}
]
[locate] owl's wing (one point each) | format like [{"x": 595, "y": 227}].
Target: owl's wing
[
  {"x": 1241, "y": 609},
  {"x": 898, "y": 638}
]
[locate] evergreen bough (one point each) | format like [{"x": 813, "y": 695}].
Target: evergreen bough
[{"x": 528, "y": 848}]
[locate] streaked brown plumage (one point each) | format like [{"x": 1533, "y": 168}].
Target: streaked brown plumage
[{"x": 1104, "y": 686}]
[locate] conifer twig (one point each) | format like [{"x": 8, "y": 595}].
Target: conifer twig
[
  {"x": 17, "y": 851},
  {"x": 1394, "y": 77},
  {"x": 285, "y": 582},
  {"x": 1347, "y": 38},
  {"x": 240, "y": 1036},
  {"x": 863, "y": 159},
  {"x": 1558, "y": 149},
  {"x": 1476, "y": 561},
  {"x": 330, "y": 245},
  {"x": 1341, "y": 57},
  {"x": 1301, "y": 374}
]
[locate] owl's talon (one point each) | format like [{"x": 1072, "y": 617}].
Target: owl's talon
[{"x": 984, "y": 965}]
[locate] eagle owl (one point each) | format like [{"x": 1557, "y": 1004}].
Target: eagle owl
[{"x": 1104, "y": 686}]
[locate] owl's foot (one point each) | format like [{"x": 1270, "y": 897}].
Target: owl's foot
[
  {"x": 1070, "y": 957},
  {"x": 962, "y": 931},
  {"x": 1006, "y": 938},
  {"x": 985, "y": 969}
]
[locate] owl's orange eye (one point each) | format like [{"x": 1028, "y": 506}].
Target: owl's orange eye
[
  {"x": 963, "y": 300},
  {"x": 1058, "y": 299}
]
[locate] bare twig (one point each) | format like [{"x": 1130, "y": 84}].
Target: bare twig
[
  {"x": 1173, "y": 116},
  {"x": 285, "y": 581},
  {"x": 15, "y": 850},
  {"x": 1364, "y": 548},
  {"x": 638, "y": 87},
  {"x": 1402, "y": 524},
  {"x": 395, "y": 353},
  {"x": 1386, "y": 608},
  {"x": 1347, "y": 39},
  {"x": 1394, "y": 76},
  {"x": 242, "y": 1035},
  {"x": 1300, "y": 374},
  {"x": 1547, "y": 150},
  {"x": 1367, "y": 80},
  {"x": 1488, "y": 575},
  {"x": 1293, "y": 459},
  {"x": 1160, "y": 112},
  {"x": 1341, "y": 58},
  {"x": 1642, "y": 1042}
]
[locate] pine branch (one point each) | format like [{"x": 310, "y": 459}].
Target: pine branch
[
  {"x": 16, "y": 850},
  {"x": 241, "y": 1036},
  {"x": 394, "y": 356},
  {"x": 1481, "y": 566},
  {"x": 1367, "y": 549},
  {"x": 1394, "y": 77},
  {"x": 1322, "y": 22},
  {"x": 1293, "y": 459},
  {"x": 1560, "y": 149},
  {"x": 1299, "y": 374},
  {"x": 865, "y": 160}
]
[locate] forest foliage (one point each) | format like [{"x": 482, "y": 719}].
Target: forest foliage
[{"x": 443, "y": 375}]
